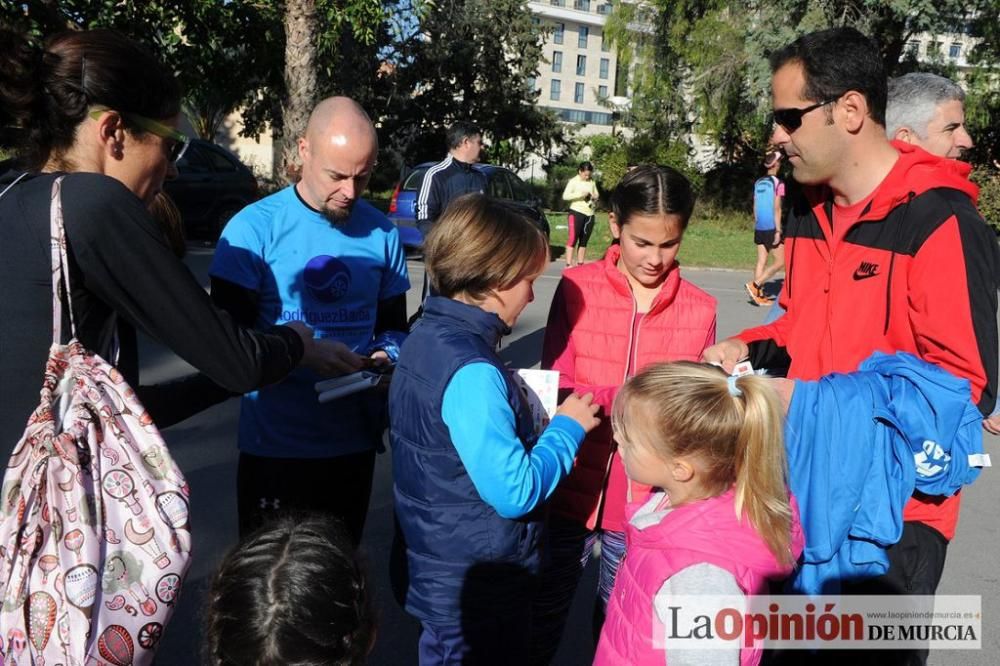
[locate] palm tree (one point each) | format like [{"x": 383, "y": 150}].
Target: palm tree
[{"x": 300, "y": 83}]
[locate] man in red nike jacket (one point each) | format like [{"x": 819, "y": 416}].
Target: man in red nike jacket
[{"x": 885, "y": 252}]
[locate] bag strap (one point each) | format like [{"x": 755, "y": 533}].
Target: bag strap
[
  {"x": 60, "y": 265},
  {"x": 16, "y": 181}
]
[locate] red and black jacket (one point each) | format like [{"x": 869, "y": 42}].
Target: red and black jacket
[{"x": 917, "y": 272}]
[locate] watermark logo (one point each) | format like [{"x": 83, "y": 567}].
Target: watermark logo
[
  {"x": 945, "y": 622},
  {"x": 327, "y": 278}
]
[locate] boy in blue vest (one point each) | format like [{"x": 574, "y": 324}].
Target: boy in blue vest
[
  {"x": 767, "y": 195},
  {"x": 469, "y": 470}
]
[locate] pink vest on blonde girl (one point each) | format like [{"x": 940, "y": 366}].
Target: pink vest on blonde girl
[{"x": 703, "y": 532}]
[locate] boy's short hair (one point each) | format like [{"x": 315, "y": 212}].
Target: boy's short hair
[
  {"x": 290, "y": 593},
  {"x": 481, "y": 244}
]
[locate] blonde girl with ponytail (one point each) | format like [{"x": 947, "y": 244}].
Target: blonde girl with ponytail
[{"x": 722, "y": 522}]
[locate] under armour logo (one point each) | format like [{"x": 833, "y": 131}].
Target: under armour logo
[
  {"x": 274, "y": 503},
  {"x": 866, "y": 270}
]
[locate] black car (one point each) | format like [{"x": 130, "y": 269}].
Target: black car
[
  {"x": 212, "y": 185},
  {"x": 502, "y": 183}
]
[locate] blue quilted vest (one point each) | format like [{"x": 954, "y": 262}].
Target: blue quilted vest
[{"x": 461, "y": 556}]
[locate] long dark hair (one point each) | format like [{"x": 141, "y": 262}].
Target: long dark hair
[
  {"x": 46, "y": 91},
  {"x": 292, "y": 593}
]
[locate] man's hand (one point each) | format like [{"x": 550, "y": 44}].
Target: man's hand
[
  {"x": 331, "y": 358},
  {"x": 992, "y": 424},
  {"x": 727, "y": 353},
  {"x": 379, "y": 362}
]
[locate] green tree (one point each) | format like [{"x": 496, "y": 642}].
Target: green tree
[
  {"x": 468, "y": 60},
  {"x": 233, "y": 54},
  {"x": 704, "y": 64},
  {"x": 212, "y": 47}
]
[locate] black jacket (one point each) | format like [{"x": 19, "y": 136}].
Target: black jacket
[
  {"x": 443, "y": 182},
  {"x": 123, "y": 276}
]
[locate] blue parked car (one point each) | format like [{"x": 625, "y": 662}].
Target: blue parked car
[{"x": 502, "y": 184}]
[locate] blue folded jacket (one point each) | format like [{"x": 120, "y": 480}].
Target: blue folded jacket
[{"x": 858, "y": 445}]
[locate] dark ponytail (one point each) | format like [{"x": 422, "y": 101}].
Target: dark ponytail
[{"x": 47, "y": 91}]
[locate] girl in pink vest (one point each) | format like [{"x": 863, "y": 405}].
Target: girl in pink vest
[
  {"x": 608, "y": 320},
  {"x": 723, "y": 523}
]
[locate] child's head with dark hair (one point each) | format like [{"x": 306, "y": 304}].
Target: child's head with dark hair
[
  {"x": 652, "y": 190},
  {"x": 291, "y": 594},
  {"x": 650, "y": 210}
]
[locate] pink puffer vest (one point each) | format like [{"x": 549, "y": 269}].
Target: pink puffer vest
[
  {"x": 588, "y": 339},
  {"x": 707, "y": 531}
]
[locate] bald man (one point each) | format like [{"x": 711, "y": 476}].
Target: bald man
[{"x": 315, "y": 252}]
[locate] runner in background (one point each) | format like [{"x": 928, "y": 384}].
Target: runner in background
[{"x": 768, "y": 193}]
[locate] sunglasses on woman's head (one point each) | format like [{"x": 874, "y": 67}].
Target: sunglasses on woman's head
[
  {"x": 180, "y": 141},
  {"x": 791, "y": 119}
]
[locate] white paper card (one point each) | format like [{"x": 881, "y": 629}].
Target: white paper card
[{"x": 542, "y": 389}]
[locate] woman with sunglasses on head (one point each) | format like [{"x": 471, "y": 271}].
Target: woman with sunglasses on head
[{"x": 95, "y": 109}]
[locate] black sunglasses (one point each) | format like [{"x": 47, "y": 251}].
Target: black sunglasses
[{"x": 791, "y": 119}]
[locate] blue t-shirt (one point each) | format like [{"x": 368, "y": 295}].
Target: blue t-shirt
[{"x": 330, "y": 277}]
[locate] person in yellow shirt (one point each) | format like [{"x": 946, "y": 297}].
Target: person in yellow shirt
[{"x": 581, "y": 192}]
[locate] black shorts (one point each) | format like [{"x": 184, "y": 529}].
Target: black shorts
[
  {"x": 765, "y": 238},
  {"x": 580, "y": 228},
  {"x": 269, "y": 487}
]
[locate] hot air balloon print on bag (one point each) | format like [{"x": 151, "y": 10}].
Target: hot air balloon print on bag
[
  {"x": 116, "y": 646},
  {"x": 41, "y": 619},
  {"x": 74, "y": 541},
  {"x": 145, "y": 537},
  {"x": 48, "y": 564},
  {"x": 173, "y": 510},
  {"x": 81, "y": 587}
]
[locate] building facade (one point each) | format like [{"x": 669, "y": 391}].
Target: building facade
[{"x": 579, "y": 72}]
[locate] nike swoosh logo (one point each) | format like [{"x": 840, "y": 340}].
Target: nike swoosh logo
[{"x": 858, "y": 275}]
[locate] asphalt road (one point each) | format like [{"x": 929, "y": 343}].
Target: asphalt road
[{"x": 205, "y": 448}]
